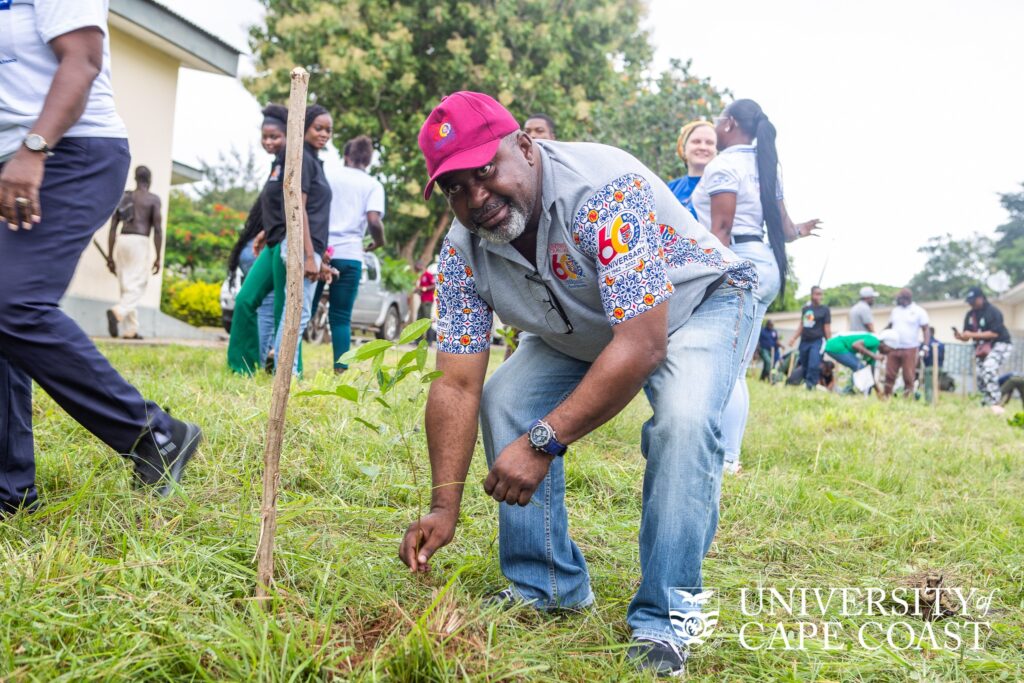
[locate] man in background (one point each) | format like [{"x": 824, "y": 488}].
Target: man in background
[
  {"x": 910, "y": 322},
  {"x": 983, "y": 325},
  {"x": 861, "y": 318},
  {"x": 540, "y": 127},
  {"x": 815, "y": 327},
  {"x": 138, "y": 214},
  {"x": 929, "y": 388}
]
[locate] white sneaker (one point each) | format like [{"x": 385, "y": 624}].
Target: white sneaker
[
  {"x": 732, "y": 467},
  {"x": 998, "y": 410}
]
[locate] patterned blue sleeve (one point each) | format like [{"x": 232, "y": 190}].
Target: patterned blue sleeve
[
  {"x": 464, "y": 320},
  {"x": 617, "y": 227}
]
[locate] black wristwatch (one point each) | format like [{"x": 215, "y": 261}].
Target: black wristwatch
[{"x": 542, "y": 438}]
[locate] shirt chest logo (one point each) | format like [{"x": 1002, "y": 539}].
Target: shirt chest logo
[{"x": 565, "y": 267}]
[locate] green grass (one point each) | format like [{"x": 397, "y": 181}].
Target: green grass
[{"x": 105, "y": 584}]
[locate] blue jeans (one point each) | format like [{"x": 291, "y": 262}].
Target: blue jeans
[
  {"x": 342, "y": 297},
  {"x": 850, "y": 360},
  {"x": 810, "y": 359},
  {"x": 82, "y": 184},
  {"x": 734, "y": 420},
  {"x": 682, "y": 480},
  {"x": 308, "y": 289},
  {"x": 265, "y": 313}
]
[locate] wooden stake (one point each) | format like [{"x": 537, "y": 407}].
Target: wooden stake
[
  {"x": 290, "y": 338},
  {"x": 935, "y": 374}
]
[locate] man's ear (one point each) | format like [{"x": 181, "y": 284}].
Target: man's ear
[{"x": 525, "y": 144}]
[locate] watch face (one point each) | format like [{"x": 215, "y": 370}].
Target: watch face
[
  {"x": 35, "y": 142},
  {"x": 540, "y": 435}
]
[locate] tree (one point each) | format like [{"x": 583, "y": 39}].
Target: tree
[
  {"x": 234, "y": 181},
  {"x": 842, "y": 296},
  {"x": 1009, "y": 246},
  {"x": 646, "y": 123},
  {"x": 380, "y": 67},
  {"x": 953, "y": 267}
]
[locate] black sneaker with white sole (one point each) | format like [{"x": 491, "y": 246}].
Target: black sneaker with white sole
[
  {"x": 508, "y": 598},
  {"x": 160, "y": 461},
  {"x": 660, "y": 657},
  {"x": 112, "y": 324}
]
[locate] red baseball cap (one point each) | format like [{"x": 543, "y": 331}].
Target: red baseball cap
[{"x": 464, "y": 131}]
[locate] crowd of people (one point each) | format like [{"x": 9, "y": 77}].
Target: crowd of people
[{"x": 618, "y": 282}]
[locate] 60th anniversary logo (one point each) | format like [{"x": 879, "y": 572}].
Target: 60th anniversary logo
[{"x": 901, "y": 618}]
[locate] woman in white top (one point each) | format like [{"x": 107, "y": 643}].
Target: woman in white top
[{"x": 739, "y": 195}]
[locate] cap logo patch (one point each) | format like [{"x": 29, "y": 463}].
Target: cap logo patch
[{"x": 443, "y": 134}]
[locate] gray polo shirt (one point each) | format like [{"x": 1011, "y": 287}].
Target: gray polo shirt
[
  {"x": 612, "y": 243},
  {"x": 860, "y": 317}
]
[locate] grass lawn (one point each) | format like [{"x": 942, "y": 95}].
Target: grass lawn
[{"x": 106, "y": 584}]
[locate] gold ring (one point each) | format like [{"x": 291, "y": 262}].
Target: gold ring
[{"x": 21, "y": 201}]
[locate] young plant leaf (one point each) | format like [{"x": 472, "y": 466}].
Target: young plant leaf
[
  {"x": 372, "y": 471},
  {"x": 369, "y": 425},
  {"x": 316, "y": 392},
  {"x": 431, "y": 376},
  {"x": 414, "y": 331},
  {"x": 373, "y": 348},
  {"x": 348, "y": 392},
  {"x": 421, "y": 355},
  {"x": 408, "y": 357}
]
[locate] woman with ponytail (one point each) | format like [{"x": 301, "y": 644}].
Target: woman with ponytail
[
  {"x": 696, "y": 146},
  {"x": 739, "y": 196}
]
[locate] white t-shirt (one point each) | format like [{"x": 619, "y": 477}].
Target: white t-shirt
[
  {"x": 734, "y": 170},
  {"x": 906, "y": 322},
  {"x": 27, "y": 66},
  {"x": 354, "y": 192}
]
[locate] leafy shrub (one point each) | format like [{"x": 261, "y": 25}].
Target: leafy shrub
[
  {"x": 199, "y": 239},
  {"x": 396, "y": 275},
  {"x": 193, "y": 301}
]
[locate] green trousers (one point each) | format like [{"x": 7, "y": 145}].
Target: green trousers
[{"x": 267, "y": 274}]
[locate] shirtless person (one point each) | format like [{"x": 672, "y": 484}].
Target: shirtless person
[{"x": 139, "y": 212}]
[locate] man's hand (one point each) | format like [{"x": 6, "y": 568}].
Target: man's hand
[
  {"x": 373, "y": 246},
  {"x": 517, "y": 473},
  {"x": 19, "y": 189},
  {"x": 425, "y": 536},
  {"x": 156, "y": 265},
  {"x": 309, "y": 269},
  {"x": 327, "y": 272},
  {"x": 807, "y": 228}
]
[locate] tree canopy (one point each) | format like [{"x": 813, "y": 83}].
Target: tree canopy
[
  {"x": 1009, "y": 245},
  {"x": 953, "y": 267},
  {"x": 380, "y": 66}
]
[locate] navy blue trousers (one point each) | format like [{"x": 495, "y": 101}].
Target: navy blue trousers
[
  {"x": 810, "y": 357},
  {"x": 83, "y": 182}
]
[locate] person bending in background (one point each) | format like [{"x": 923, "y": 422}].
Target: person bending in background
[
  {"x": 273, "y": 133},
  {"x": 696, "y": 145},
  {"x": 357, "y": 206},
  {"x": 815, "y": 328},
  {"x": 741, "y": 194},
  {"x": 768, "y": 349}
]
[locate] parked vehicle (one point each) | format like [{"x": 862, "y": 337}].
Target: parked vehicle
[{"x": 376, "y": 309}]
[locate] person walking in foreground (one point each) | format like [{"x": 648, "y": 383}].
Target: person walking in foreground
[
  {"x": 739, "y": 197},
  {"x": 696, "y": 146},
  {"x": 616, "y": 288},
  {"x": 983, "y": 325},
  {"x": 910, "y": 322},
  {"x": 861, "y": 317},
  {"x": 814, "y": 331},
  {"x": 63, "y": 164},
  {"x": 128, "y": 257},
  {"x": 357, "y": 206}
]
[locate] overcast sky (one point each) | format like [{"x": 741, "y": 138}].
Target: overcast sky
[{"x": 889, "y": 112}]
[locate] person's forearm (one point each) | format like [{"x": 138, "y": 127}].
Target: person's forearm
[
  {"x": 376, "y": 229},
  {"x": 69, "y": 92},
  {"x": 158, "y": 240},
  {"x": 721, "y": 228},
  {"x": 307, "y": 237},
  {"x": 112, "y": 237},
  {"x": 451, "y": 421},
  {"x": 592, "y": 403}
]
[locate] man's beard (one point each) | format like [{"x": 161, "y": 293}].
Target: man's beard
[{"x": 513, "y": 227}]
